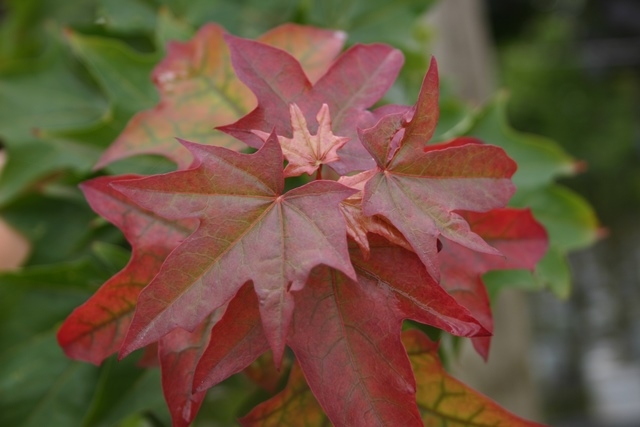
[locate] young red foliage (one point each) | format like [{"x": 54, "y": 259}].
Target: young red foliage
[
  {"x": 414, "y": 183},
  {"x": 516, "y": 234},
  {"x": 96, "y": 329},
  {"x": 237, "y": 266},
  {"x": 249, "y": 230},
  {"x": 353, "y": 83}
]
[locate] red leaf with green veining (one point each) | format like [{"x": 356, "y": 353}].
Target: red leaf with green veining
[
  {"x": 357, "y": 79},
  {"x": 97, "y": 328},
  {"x": 199, "y": 91},
  {"x": 237, "y": 340},
  {"x": 179, "y": 352},
  {"x": 346, "y": 334},
  {"x": 249, "y": 230},
  {"x": 293, "y": 406},
  {"x": 445, "y": 401},
  {"x": 516, "y": 234},
  {"x": 419, "y": 184},
  {"x": 346, "y": 337}
]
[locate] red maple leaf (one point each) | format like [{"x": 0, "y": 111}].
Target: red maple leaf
[
  {"x": 346, "y": 335},
  {"x": 417, "y": 187},
  {"x": 353, "y": 83},
  {"x": 234, "y": 265},
  {"x": 249, "y": 230},
  {"x": 199, "y": 91},
  {"x": 97, "y": 328},
  {"x": 516, "y": 234}
]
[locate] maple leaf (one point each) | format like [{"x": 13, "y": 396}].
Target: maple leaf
[
  {"x": 97, "y": 328},
  {"x": 179, "y": 352},
  {"x": 419, "y": 184},
  {"x": 346, "y": 334},
  {"x": 237, "y": 340},
  {"x": 353, "y": 83},
  {"x": 249, "y": 230},
  {"x": 514, "y": 232},
  {"x": 295, "y": 405},
  {"x": 360, "y": 225},
  {"x": 443, "y": 400},
  {"x": 199, "y": 91},
  {"x": 306, "y": 152}
]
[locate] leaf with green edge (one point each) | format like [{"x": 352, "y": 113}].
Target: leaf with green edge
[
  {"x": 199, "y": 91},
  {"x": 122, "y": 72},
  {"x": 516, "y": 234},
  {"x": 445, "y": 401},
  {"x": 539, "y": 159},
  {"x": 414, "y": 181},
  {"x": 353, "y": 83},
  {"x": 295, "y": 405},
  {"x": 97, "y": 328},
  {"x": 239, "y": 201}
]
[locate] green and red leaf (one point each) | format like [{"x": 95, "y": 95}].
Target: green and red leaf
[
  {"x": 516, "y": 234},
  {"x": 415, "y": 183},
  {"x": 97, "y": 328},
  {"x": 445, "y": 401},
  {"x": 249, "y": 230},
  {"x": 199, "y": 91},
  {"x": 357, "y": 79}
]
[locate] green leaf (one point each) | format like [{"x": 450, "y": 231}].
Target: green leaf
[
  {"x": 540, "y": 160},
  {"x": 126, "y": 16},
  {"x": 124, "y": 389},
  {"x": 171, "y": 28},
  {"x": 569, "y": 219},
  {"x": 26, "y": 27},
  {"x": 123, "y": 73},
  {"x": 39, "y": 386},
  {"x": 554, "y": 274},
  {"x": 34, "y": 159},
  {"x": 369, "y": 21},
  {"x": 497, "y": 280},
  {"x": 45, "y": 95},
  {"x": 57, "y": 229}
]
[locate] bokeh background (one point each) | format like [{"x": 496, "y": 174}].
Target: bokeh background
[{"x": 571, "y": 69}]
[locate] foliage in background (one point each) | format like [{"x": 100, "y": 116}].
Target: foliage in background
[{"x": 71, "y": 77}]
